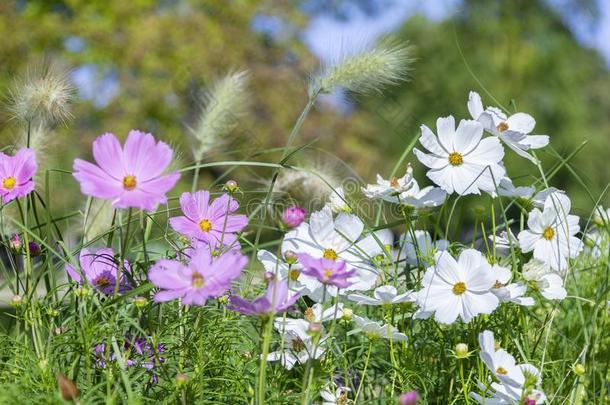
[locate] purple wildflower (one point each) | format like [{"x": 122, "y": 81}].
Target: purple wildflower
[
  {"x": 327, "y": 271},
  {"x": 212, "y": 223},
  {"x": 15, "y": 243},
  {"x": 293, "y": 216},
  {"x": 202, "y": 278},
  {"x": 100, "y": 270},
  {"x": 408, "y": 398},
  {"x": 16, "y": 174},
  {"x": 129, "y": 176},
  {"x": 138, "y": 352},
  {"x": 276, "y": 299}
]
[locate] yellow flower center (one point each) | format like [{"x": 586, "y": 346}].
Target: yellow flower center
[
  {"x": 498, "y": 284},
  {"x": 298, "y": 345},
  {"x": 129, "y": 182},
  {"x": 205, "y": 225},
  {"x": 394, "y": 182},
  {"x": 501, "y": 371},
  {"x": 102, "y": 282},
  {"x": 309, "y": 315},
  {"x": 548, "y": 233},
  {"x": 329, "y": 254},
  {"x": 327, "y": 274},
  {"x": 501, "y": 127},
  {"x": 459, "y": 288},
  {"x": 455, "y": 159},
  {"x": 9, "y": 183},
  {"x": 197, "y": 280},
  {"x": 294, "y": 274}
]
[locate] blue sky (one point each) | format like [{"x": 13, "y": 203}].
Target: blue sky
[{"x": 359, "y": 27}]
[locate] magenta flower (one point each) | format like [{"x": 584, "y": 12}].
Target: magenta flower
[
  {"x": 276, "y": 299},
  {"x": 202, "y": 278},
  {"x": 293, "y": 216},
  {"x": 100, "y": 270},
  {"x": 327, "y": 271},
  {"x": 16, "y": 174},
  {"x": 408, "y": 398},
  {"x": 129, "y": 176},
  {"x": 212, "y": 223}
]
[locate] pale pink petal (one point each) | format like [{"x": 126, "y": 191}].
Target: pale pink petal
[
  {"x": 95, "y": 182},
  {"x": 108, "y": 154}
]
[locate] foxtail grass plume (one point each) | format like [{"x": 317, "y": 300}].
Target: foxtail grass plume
[
  {"x": 225, "y": 103},
  {"x": 367, "y": 71},
  {"x": 44, "y": 94}
]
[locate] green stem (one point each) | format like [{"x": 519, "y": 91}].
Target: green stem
[
  {"x": 366, "y": 365},
  {"x": 263, "y": 367}
]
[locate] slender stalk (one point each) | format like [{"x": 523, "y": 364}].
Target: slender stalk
[
  {"x": 366, "y": 365},
  {"x": 263, "y": 368}
]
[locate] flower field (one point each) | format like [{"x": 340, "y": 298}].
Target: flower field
[{"x": 384, "y": 293}]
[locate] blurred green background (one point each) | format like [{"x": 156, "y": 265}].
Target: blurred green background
[{"x": 145, "y": 63}]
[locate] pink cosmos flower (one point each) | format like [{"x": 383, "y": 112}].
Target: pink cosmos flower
[
  {"x": 202, "y": 278},
  {"x": 129, "y": 176},
  {"x": 327, "y": 271},
  {"x": 293, "y": 216},
  {"x": 212, "y": 223},
  {"x": 276, "y": 299},
  {"x": 100, "y": 270},
  {"x": 16, "y": 174}
]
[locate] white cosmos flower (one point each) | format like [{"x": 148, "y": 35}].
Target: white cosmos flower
[
  {"x": 418, "y": 249},
  {"x": 551, "y": 232},
  {"x": 405, "y": 190},
  {"x": 377, "y": 330},
  {"x": 601, "y": 216},
  {"x": 289, "y": 272},
  {"x": 338, "y": 397},
  {"x": 515, "y": 379},
  {"x": 548, "y": 282},
  {"x": 460, "y": 160},
  {"x": 540, "y": 197},
  {"x": 461, "y": 288},
  {"x": 501, "y": 363},
  {"x": 298, "y": 344},
  {"x": 337, "y": 201},
  {"x": 513, "y": 130},
  {"x": 504, "y": 241},
  {"x": 317, "y": 314},
  {"x": 383, "y": 295},
  {"x": 507, "y": 189},
  {"x": 513, "y": 292},
  {"x": 335, "y": 239}
]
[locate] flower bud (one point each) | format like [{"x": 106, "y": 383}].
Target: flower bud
[
  {"x": 461, "y": 350},
  {"x": 269, "y": 276},
  {"x": 529, "y": 401},
  {"x": 579, "y": 369},
  {"x": 52, "y": 312},
  {"x": 140, "y": 302},
  {"x": 347, "y": 314},
  {"x": 82, "y": 291},
  {"x": 314, "y": 328},
  {"x": 293, "y": 216},
  {"x": 290, "y": 257},
  {"x": 35, "y": 249},
  {"x": 408, "y": 398},
  {"x": 231, "y": 186},
  {"x": 16, "y": 301},
  {"x": 67, "y": 387},
  {"x": 15, "y": 243},
  {"x": 181, "y": 379}
]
